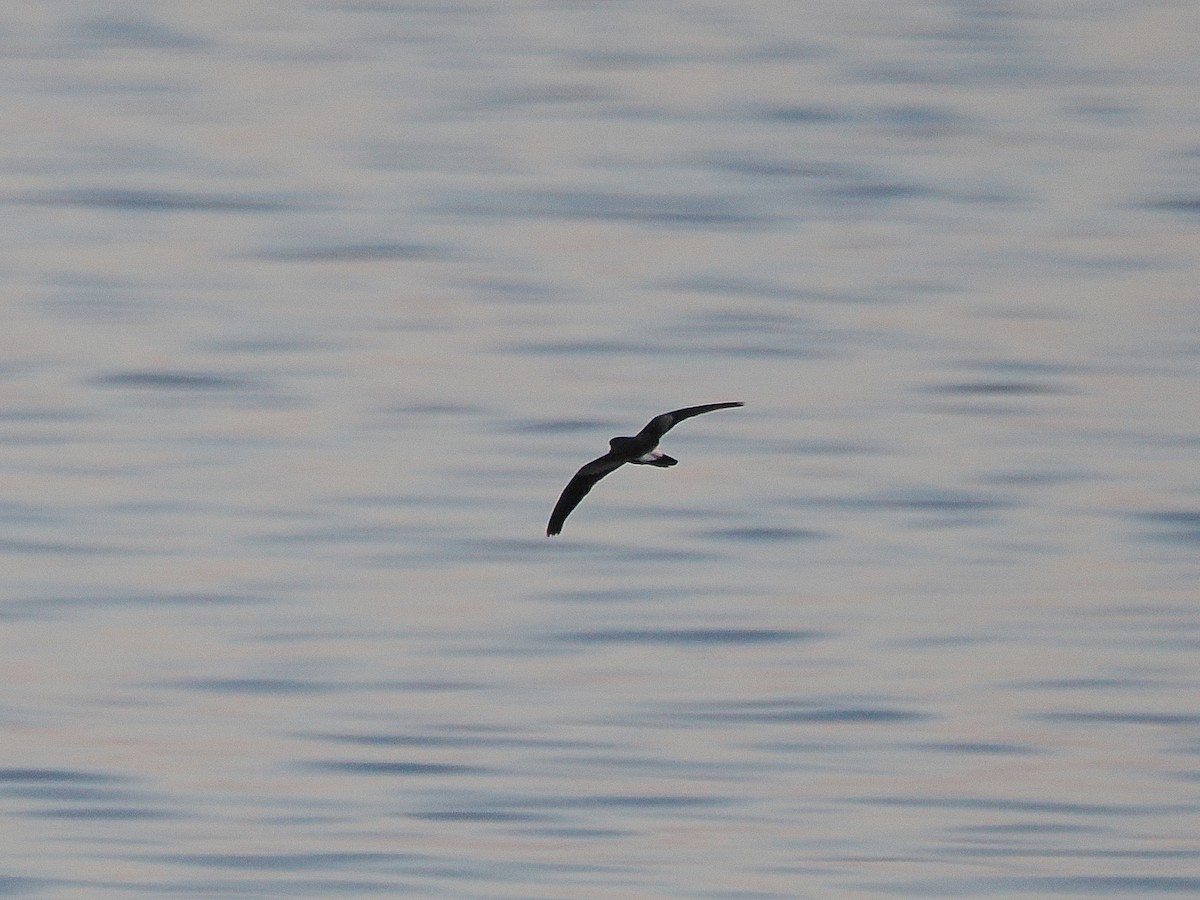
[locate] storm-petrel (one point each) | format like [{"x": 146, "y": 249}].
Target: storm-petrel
[{"x": 641, "y": 450}]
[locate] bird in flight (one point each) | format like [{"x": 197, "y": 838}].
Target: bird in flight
[{"x": 641, "y": 450}]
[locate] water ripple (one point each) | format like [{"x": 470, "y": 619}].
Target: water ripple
[
  {"x": 689, "y": 636},
  {"x": 792, "y": 711},
  {"x": 762, "y": 534},
  {"x": 364, "y": 252},
  {"x": 1010, "y": 804},
  {"x": 160, "y": 200},
  {"x": 1095, "y": 885},
  {"x": 997, "y": 388},
  {"x": 165, "y": 379},
  {"x": 53, "y": 776},
  {"x": 1119, "y": 718},
  {"x": 1174, "y": 526},
  {"x": 653, "y": 209},
  {"x": 361, "y": 767},
  {"x": 284, "y": 862}
]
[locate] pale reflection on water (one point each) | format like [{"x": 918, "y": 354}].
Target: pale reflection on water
[{"x": 310, "y": 313}]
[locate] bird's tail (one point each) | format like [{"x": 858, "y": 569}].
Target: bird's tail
[{"x": 663, "y": 461}]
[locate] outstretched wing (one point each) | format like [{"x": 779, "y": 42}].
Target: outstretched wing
[
  {"x": 578, "y": 487},
  {"x": 660, "y": 425}
]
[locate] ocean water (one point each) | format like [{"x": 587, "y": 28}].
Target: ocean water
[{"x": 310, "y": 310}]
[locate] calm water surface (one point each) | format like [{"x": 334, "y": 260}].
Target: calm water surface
[{"x": 310, "y": 310}]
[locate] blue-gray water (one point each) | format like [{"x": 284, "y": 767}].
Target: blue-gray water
[{"x": 310, "y": 310}]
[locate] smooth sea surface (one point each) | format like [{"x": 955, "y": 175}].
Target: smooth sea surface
[{"x": 308, "y": 311}]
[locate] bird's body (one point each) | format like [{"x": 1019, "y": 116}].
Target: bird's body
[{"x": 640, "y": 450}]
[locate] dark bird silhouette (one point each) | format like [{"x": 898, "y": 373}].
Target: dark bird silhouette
[{"x": 641, "y": 450}]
